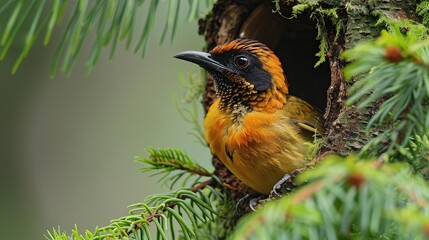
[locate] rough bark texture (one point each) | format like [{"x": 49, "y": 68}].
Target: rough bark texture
[{"x": 344, "y": 125}]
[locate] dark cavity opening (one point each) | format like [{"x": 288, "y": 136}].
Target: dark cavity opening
[{"x": 294, "y": 42}]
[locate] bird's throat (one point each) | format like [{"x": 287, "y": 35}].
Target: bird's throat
[
  {"x": 233, "y": 96},
  {"x": 239, "y": 97}
]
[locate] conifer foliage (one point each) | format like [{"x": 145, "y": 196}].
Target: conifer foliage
[{"x": 379, "y": 192}]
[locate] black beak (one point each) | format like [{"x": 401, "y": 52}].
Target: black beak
[{"x": 203, "y": 59}]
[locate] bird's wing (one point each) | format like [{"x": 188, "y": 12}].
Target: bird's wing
[{"x": 305, "y": 116}]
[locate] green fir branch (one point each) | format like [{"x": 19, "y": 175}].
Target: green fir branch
[
  {"x": 222, "y": 226},
  {"x": 394, "y": 70},
  {"x": 167, "y": 215},
  {"x": 173, "y": 165},
  {"x": 110, "y": 22},
  {"x": 183, "y": 210},
  {"x": 345, "y": 198},
  {"x": 417, "y": 152}
]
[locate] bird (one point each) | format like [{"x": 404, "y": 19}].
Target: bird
[{"x": 255, "y": 127}]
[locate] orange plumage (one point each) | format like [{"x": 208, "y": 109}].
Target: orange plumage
[{"x": 255, "y": 128}]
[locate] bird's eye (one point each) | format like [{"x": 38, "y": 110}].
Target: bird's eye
[{"x": 241, "y": 62}]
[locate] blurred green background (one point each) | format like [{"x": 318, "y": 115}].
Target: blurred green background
[{"x": 68, "y": 144}]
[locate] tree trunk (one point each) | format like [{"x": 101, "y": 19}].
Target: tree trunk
[{"x": 324, "y": 26}]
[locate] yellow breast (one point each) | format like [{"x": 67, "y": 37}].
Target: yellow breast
[{"x": 259, "y": 148}]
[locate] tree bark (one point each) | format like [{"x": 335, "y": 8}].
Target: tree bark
[{"x": 345, "y": 125}]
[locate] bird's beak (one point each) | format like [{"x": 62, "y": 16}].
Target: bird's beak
[{"x": 203, "y": 59}]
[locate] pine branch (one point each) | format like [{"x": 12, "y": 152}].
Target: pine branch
[
  {"x": 183, "y": 209},
  {"x": 173, "y": 165},
  {"x": 111, "y": 21},
  {"x": 167, "y": 207},
  {"x": 172, "y": 159},
  {"x": 394, "y": 69},
  {"x": 345, "y": 199}
]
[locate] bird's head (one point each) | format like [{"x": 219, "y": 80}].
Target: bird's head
[{"x": 246, "y": 73}]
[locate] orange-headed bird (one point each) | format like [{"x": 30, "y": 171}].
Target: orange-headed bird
[{"x": 255, "y": 128}]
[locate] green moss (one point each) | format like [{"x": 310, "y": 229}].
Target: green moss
[
  {"x": 313, "y": 148},
  {"x": 423, "y": 10},
  {"x": 301, "y": 7},
  {"x": 414, "y": 29}
]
